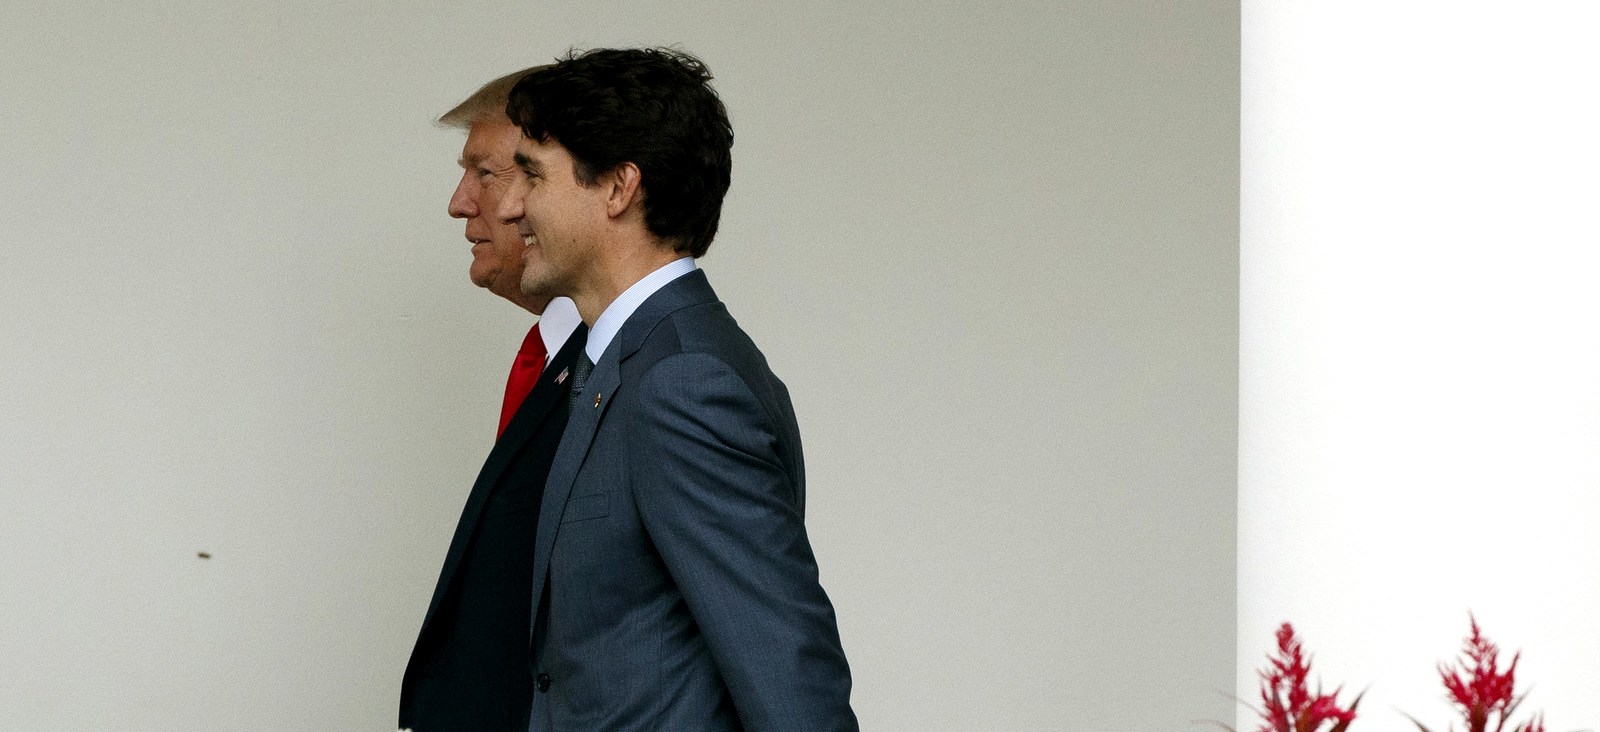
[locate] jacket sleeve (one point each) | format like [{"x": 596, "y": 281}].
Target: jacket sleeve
[{"x": 724, "y": 516}]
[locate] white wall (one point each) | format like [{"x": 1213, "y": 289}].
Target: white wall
[
  {"x": 990, "y": 248},
  {"x": 1420, "y": 413}
]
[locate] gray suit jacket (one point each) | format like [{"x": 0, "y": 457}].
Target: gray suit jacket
[{"x": 675, "y": 585}]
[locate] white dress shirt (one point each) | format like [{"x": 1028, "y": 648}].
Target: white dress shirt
[
  {"x": 606, "y": 326},
  {"x": 560, "y": 318}
]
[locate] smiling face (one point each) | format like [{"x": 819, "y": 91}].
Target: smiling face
[
  {"x": 559, "y": 219},
  {"x": 488, "y": 171}
]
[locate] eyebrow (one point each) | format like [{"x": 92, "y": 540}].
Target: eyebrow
[{"x": 528, "y": 164}]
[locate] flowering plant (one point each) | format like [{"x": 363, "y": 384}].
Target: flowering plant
[
  {"x": 1480, "y": 691},
  {"x": 1287, "y": 702}
]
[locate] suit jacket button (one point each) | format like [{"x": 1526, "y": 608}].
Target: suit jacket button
[{"x": 543, "y": 682}]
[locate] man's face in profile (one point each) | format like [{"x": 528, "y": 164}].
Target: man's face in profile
[
  {"x": 558, "y": 217},
  {"x": 487, "y": 171}
]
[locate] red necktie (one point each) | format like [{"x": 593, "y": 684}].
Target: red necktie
[{"x": 524, "y": 373}]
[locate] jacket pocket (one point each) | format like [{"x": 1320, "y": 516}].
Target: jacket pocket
[{"x": 585, "y": 507}]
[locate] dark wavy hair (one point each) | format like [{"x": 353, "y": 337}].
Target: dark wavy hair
[{"x": 653, "y": 107}]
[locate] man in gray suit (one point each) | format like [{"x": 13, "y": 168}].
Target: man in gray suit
[{"x": 674, "y": 583}]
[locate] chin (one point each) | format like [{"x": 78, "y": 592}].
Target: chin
[
  {"x": 481, "y": 277},
  {"x": 535, "y": 289}
]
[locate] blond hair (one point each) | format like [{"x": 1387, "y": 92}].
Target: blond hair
[{"x": 486, "y": 104}]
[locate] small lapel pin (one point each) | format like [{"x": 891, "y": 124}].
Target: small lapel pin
[
  {"x": 562, "y": 376},
  {"x": 596, "y": 401}
]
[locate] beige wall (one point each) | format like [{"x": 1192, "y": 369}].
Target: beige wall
[{"x": 992, "y": 249}]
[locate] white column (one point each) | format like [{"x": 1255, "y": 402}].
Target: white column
[{"x": 1420, "y": 345}]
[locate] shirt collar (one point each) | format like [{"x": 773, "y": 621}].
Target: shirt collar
[
  {"x": 560, "y": 318},
  {"x": 606, "y": 326}
]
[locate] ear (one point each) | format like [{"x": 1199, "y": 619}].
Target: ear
[{"x": 623, "y": 189}]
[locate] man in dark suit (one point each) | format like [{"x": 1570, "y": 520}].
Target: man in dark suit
[
  {"x": 675, "y": 584},
  {"x": 469, "y": 669}
]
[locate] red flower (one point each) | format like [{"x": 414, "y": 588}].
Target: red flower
[
  {"x": 1287, "y": 702},
  {"x": 1480, "y": 690},
  {"x": 1484, "y": 690}
]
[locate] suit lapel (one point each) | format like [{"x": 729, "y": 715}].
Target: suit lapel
[
  {"x": 575, "y": 442},
  {"x": 530, "y": 416},
  {"x": 546, "y": 395}
]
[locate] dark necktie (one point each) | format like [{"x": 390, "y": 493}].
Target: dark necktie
[
  {"x": 524, "y": 374},
  {"x": 580, "y": 376}
]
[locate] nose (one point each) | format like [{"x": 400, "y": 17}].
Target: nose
[
  {"x": 510, "y": 210},
  {"x": 462, "y": 203}
]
